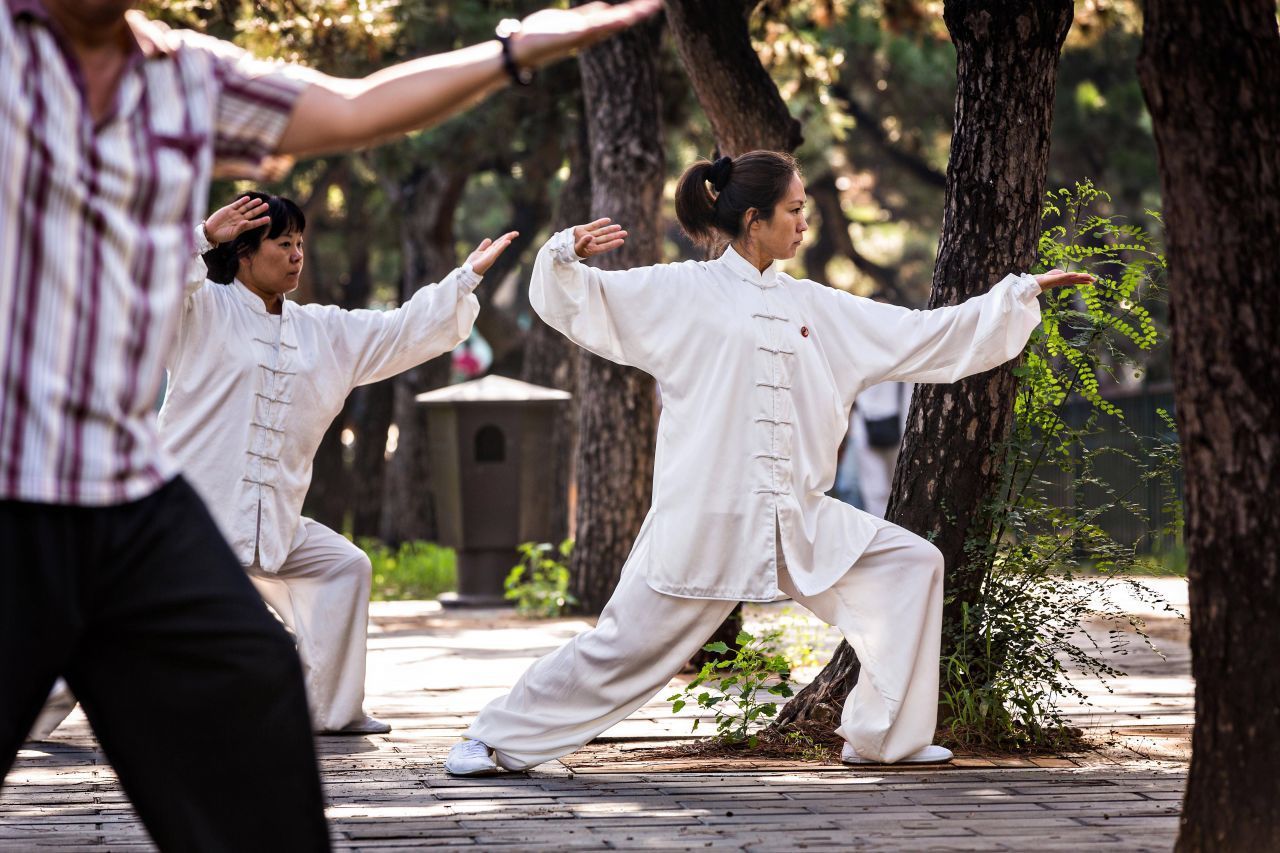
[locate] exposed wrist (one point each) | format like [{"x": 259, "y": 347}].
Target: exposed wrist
[
  {"x": 508, "y": 33},
  {"x": 204, "y": 243}
]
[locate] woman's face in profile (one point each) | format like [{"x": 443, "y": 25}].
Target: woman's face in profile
[
  {"x": 277, "y": 264},
  {"x": 781, "y": 236}
]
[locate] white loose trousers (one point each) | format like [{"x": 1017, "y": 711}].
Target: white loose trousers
[
  {"x": 321, "y": 593},
  {"x": 888, "y": 605}
]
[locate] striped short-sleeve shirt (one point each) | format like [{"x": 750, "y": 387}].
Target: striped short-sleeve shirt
[{"x": 96, "y": 223}]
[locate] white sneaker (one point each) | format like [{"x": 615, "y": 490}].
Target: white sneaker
[
  {"x": 932, "y": 754},
  {"x": 471, "y": 758},
  {"x": 366, "y": 725}
]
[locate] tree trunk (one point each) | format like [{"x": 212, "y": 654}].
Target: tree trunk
[
  {"x": 617, "y": 417},
  {"x": 1211, "y": 75},
  {"x": 329, "y": 498},
  {"x": 740, "y": 99},
  {"x": 428, "y": 199},
  {"x": 1007, "y": 59},
  {"x": 551, "y": 359},
  {"x": 371, "y": 418}
]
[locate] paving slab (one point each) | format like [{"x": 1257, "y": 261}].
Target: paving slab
[{"x": 431, "y": 670}]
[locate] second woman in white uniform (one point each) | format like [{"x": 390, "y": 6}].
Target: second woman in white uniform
[
  {"x": 758, "y": 372},
  {"x": 254, "y": 382}
]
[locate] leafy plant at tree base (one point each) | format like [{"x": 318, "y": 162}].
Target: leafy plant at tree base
[
  {"x": 730, "y": 686},
  {"x": 1021, "y": 638},
  {"x": 539, "y": 584}
]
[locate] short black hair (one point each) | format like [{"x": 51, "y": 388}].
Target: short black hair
[{"x": 224, "y": 261}]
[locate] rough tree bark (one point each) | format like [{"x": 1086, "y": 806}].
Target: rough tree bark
[
  {"x": 1007, "y": 60},
  {"x": 1211, "y": 75},
  {"x": 551, "y": 359},
  {"x": 740, "y": 99},
  {"x": 428, "y": 199},
  {"x": 617, "y": 419}
]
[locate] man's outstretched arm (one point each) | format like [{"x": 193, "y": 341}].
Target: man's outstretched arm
[{"x": 337, "y": 115}]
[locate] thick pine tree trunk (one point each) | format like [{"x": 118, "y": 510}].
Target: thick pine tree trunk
[
  {"x": 551, "y": 359},
  {"x": 740, "y": 99},
  {"x": 1211, "y": 74},
  {"x": 617, "y": 413},
  {"x": 949, "y": 468},
  {"x": 428, "y": 200}
]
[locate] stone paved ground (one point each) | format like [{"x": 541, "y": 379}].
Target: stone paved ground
[{"x": 430, "y": 670}]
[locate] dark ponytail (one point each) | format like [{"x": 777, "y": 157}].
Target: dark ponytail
[
  {"x": 712, "y": 198},
  {"x": 223, "y": 261}
]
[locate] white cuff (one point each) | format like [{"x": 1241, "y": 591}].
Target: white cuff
[
  {"x": 202, "y": 242},
  {"x": 1027, "y": 288},
  {"x": 468, "y": 278},
  {"x": 562, "y": 247}
]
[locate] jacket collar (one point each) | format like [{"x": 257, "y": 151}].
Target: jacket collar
[
  {"x": 747, "y": 271},
  {"x": 254, "y": 302}
]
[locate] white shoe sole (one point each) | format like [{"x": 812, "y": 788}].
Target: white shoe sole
[{"x": 932, "y": 754}]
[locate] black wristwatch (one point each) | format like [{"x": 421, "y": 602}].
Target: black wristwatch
[{"x": 507, "y": 28}]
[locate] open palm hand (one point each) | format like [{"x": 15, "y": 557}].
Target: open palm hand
[
  {"x": 1058, "y": 278},
  {"x": 243, "y": 214},
  {"x": 489, "y": 250},
  {"x": 596, "y": 238}
]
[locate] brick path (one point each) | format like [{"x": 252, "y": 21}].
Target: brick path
[{"x": 431, "y": 670}]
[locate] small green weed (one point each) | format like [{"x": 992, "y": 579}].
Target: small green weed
[{"x": 730, "y": 687}]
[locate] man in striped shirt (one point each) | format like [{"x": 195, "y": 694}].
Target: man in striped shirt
[{"x": 112, "y": 572}]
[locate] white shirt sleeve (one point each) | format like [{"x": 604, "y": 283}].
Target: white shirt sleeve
[
  {"x": 379, "y": 344},
  {"x": 197, "y": 271},
  {"x": 625, "y": 316},
  {"x": 889, "y": 343}
]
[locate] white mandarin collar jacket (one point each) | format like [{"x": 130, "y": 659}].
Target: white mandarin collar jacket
[
  {"x": 251, "y": 394},
  {"x": 758, "y": 372}
]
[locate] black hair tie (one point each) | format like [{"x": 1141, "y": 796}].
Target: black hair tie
[{"x": 719, "y": 173}]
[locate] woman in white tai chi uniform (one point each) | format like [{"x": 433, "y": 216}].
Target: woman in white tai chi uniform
[
  {"x": 757, "y": 372},
  {"x": 254, "y": 382}
]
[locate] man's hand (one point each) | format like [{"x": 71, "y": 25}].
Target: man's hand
[
  {"x": 596, "y": 238},
  {"x": 552, "y": 33},
  {"x": 1058, "y": 278},
  {"x": 488, "y": 251},
  {"x": 243, "y": 214}
]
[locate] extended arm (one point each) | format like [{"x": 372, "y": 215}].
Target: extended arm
[
  {"x": 379, "y": 344},
  {"x": 890, "y": 343},
  {"x": 336, "y": 115},
  {"x": 621, "y": 315}
]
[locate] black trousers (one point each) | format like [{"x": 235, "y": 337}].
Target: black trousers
[{"x": 193, "y": 689}]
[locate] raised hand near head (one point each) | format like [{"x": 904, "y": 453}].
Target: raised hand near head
[
  {"x": 489, "y": 250},
  {"x": 243, "y": 214},
  {"x": 1058, "y": 278},
  {"x": 596, "y": 238}
]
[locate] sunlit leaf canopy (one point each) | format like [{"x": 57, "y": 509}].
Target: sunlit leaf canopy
[{"x": 872, "y": 82}]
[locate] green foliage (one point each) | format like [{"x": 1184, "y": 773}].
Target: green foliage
[
  {"x": 731, "y": 686},
  {"x": 1018, "y": 641},
  {"x": 539, "y": 584},
  {"x": 416, "y": 570}
]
